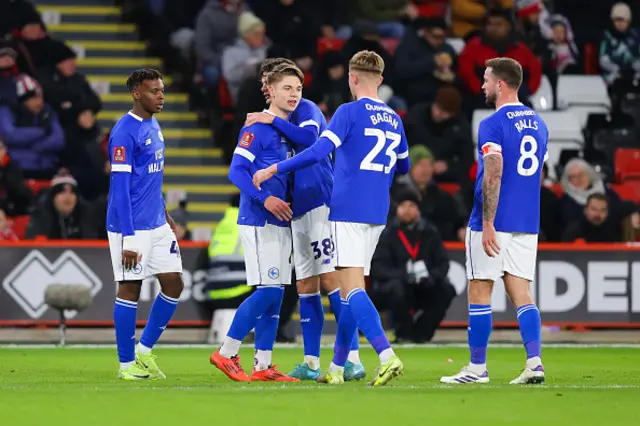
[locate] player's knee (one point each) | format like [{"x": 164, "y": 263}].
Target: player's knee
[
  {"x": 129, "y": 290},
  {"x": 329, "y": 282},
  {"x": 480, "y": 292},
  {"x": 171, "y": 284},
  {"x": 308, "y": 285}
]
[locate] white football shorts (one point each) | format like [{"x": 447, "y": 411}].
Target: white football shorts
[
  {"x": 517, "y": 256},
  {"x": 267, "y": 254},
  {"x": 355, "y": 244},
  {"x": 159, "y": 252},
  {"x": 313, "y": 246}
]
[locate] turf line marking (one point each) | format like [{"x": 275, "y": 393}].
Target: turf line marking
[
  {"x": 244, "y": 388},
  {"x": 330, "y": 346}
]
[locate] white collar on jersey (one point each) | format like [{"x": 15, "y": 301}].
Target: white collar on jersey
[
  {"x": 373, "y": 99},
  {"x": 137, "y": 117},
  {"x": 510, "y": 104},
  {"x": 267, "y": 111}
]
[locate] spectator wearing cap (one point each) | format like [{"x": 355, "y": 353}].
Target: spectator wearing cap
[
  {"x": 62, "y": 214},
  {"x": 31, "y": 131},
  {"x": 533, "y": 25},
  {"x": 409, "y": 273},
  {"x": 441, "y": 127},
  {"x": 8, "y": 74},
  {"x": 249, "y": 50},
  {"x": 436, "y": 205},
  {"x": 424, "y": 61},
  {"x": 467, "y": 15},
  {"x": 619, "y": 52},
  {"x": 497, "y": 39}
]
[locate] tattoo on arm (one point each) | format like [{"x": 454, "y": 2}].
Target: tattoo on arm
[{"x": 491, "y": 186}]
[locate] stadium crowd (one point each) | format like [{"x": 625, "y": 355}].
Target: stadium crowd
[{"x": 48, "y": 124}]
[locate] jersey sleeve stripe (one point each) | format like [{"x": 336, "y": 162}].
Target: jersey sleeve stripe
[
  {"x": 403, "y": 155},
  {"x": 121, "y": 168},
  {"x": 310, "y": 123},
  {"x": 245, "y": 153},
  {"x": 332, "y": 137}
]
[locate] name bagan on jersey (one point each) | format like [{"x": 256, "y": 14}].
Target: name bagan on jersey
[
  {"x": 369, "y": 139},
  {"x": 519, "y": 135},
  {"x": 136, "y": 146},
  {"x": 312, "y": 186}
]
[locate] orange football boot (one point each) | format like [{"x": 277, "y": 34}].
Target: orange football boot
[
  {"x": 271, "y": 374},
  {"x": 229, "y": 366}
]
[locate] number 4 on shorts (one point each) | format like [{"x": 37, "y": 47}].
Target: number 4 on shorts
[{"x": 174, "y": 248}]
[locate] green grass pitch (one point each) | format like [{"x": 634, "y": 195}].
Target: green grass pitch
[{"x": 75, "y": 386}]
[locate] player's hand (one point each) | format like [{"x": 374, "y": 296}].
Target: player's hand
[
  {"x": 278, "y": 208},
  {"x": 130, "y": 259},
  {"x": 258, "y": 117},
  {"x": 171, "y": 222},
  {"x": 263, "y": 175},
  {"x": 490, "y": 240}
]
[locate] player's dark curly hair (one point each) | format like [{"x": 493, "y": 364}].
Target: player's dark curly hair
[
  {"x": 269, "y": 64},
  {"x": 138, "y": 76}
]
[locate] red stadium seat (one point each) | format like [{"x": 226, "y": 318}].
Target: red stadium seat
[
  {"x": 591, "y": 58},
  {"x": 451, "y": 188},
  {"x": 628, "y": 191},
  {"x": 37, "y": 185},
  {"x": 19, "y": 225},
  {"x": 391, "y": 44},
  {"x": 325, "y": 44},
  {"x": 627, "y": 164},
  {"x": 432, "y": 8}
]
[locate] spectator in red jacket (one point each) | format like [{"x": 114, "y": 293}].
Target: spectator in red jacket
[{"x": 497, "y": 40}]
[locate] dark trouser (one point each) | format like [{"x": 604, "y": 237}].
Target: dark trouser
[{"x": 416, "y": 310}]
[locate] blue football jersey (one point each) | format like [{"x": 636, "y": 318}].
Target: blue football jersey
[
  {"x": 259, "y": 146},
  {"x": 136, "y": 146},
  {"x": 369, "y": 139},
  {"x": 312, "y": 186},
  {"x": 518, "y": 134}
]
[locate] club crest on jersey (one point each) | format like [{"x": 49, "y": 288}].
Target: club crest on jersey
[
  {"x": 160, "y": 136},
  {"x": 274, "y": 273},
  {"x": 119, "y": 155},
  {"x": 246, "y": 139}
]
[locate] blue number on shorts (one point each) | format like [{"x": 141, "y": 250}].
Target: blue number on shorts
[
  {"x": 327, "y": 247},
  {"x": 174, "y": 248},
  {"x": 316, "y": 251}
]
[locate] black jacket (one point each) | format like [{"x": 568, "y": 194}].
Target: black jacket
[
  {"x": 449, "y": 141},
  {"x": 391, "y": 257},
  {"x": 80, "y": 225}
]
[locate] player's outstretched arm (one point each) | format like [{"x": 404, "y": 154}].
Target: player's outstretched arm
[
  {"x": 312, "y": 155},
  {"x": 305, "y": 134}
]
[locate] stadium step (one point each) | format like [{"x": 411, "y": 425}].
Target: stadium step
[{"x": 108, "y": 51}]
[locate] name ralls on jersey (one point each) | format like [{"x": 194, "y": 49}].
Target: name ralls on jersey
[
  {"x": 523, "y": 124},
  {"x": 387, "y": 116}
]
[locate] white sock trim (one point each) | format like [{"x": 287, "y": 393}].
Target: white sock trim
[
  {"x": 142, "y": 349},
  {"x": 230, "y": 347},
  {"x": 385, "y": 356},
  {"x": 305, "y": 295},
  {"x": 168, "y": 299},
  {"x": 354, "y": 357},
  {"x": 333, "y": 291}
]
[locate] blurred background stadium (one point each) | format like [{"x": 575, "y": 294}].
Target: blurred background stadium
[{"x": 63, "y": 65}]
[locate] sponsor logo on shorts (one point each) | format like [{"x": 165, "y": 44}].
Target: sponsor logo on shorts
[
  {"x": 138, "y": 269},
  {"x": 274, "y": 273}
]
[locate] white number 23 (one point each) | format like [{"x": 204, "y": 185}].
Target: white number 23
[{"x": 382, "y": 136}]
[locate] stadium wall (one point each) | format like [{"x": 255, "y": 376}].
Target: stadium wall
[{"x": 576, "y": 286}]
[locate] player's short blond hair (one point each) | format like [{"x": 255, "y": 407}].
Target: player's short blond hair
[
  {"x": 367, "y": 62},
  {"x": 282, "y": 71},
  {"x": 506, "y": 69}
]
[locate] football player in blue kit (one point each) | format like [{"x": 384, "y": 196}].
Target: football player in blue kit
[
  {"x": 370, "y": 145},
  {"x": 502, "y": 236},
  {"x": 141, "y": 233},
  {"x": 313, "y": 246},
  {"x": 265, "y": 234}
]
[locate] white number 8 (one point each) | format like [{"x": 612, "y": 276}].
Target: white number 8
[{"x": 528, "y": 154}]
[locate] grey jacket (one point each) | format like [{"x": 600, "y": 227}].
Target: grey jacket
[{"x": 215, "y": 29}]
